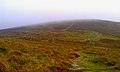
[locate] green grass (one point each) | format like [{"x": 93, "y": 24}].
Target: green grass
[
  {"x": 104, "y": 36},
  {"x": 98, "y": 58},
  {"x": 71, "y": 35},
  {"x": 52, "y": 52}
]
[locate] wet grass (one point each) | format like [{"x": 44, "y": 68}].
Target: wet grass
[
  {"x": 49, "y": 54},
  {"x": 100, "y": 59}
]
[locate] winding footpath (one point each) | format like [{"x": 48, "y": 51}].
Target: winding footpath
[
  {"x": 75, "y": 63},
  {"x": 91, "y": 39},
  {"x": 85, "y": 40}
]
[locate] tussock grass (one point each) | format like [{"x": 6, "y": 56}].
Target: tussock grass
[{"x": 55, "y": 51}]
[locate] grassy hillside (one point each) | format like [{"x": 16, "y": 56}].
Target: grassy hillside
[
  {"x": 102, "y": 26},
  {"x": 68, "y": 46}
]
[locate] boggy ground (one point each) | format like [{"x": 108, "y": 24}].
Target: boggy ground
[
  {"x": 75, "y": 46},
  {"x": 53, "y": 54}
]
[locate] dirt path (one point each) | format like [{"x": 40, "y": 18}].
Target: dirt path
[
  {"x": 68, "y": 27},
  {"x": 85, "y": 40},
  {"x": 91, "y": 39},
  {"x": 77, "y": 68},
  {"x": 75, "y": 65}
]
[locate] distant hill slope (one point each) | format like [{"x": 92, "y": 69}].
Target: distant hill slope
[
  {"x": 103, "y": 26},
  {"x": 64, "y": 46}
]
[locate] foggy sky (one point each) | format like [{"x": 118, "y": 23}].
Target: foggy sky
[{"x": 24, "y": 12}]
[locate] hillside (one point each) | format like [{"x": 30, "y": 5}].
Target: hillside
[
  {"x": 106, "y": 27},
  {"x": 63, "y": 46}
]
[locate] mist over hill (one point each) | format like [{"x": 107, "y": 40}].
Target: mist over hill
[
  {"x": 103, "y": 26},
  {"x": 61, "y": 46}
]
